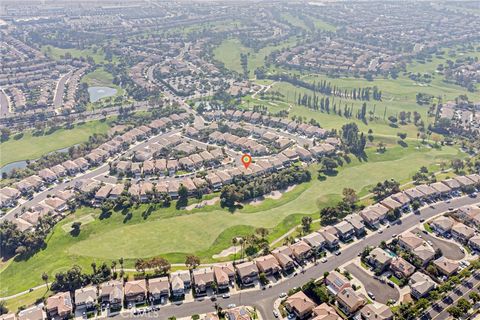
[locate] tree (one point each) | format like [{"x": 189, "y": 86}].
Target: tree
[
  {"x": 306, "y": 224},
  {"x": 76, "y": 228},
  {"x": 457, "y": 165},
  {"x": 45, "y": 279},
  {"x": 349, "y": 196},
  {"x": 455, "y": 312},
  {"x": 474, "y": 296},
  {"x": 262, "y": 232},
  {"x": 464, "y": 305},
  {"x": 192, "y": 261},
  {"x": 182, "y": 196},
  {"x": 3, "y": 307}
]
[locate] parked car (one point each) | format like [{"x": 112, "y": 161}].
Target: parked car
[
  {"x": 226, "y": 295},
  {"x": 231, "y": 305},
  {"x": 275, "y": 313},
  {"x": 323, "y": 260},
  {"x": 371, "y": 295},
  {"x": 282, "y": 295}
]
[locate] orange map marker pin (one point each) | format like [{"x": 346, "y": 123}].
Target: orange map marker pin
[{"x": 246, "y": 160}]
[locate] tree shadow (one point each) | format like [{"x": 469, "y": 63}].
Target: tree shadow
[
  {"x": 128, "y": 217},
  {"x": 402, "y": 143},
  {"x": 105, "y": 215},
  {"x": 75, "y": 232}
]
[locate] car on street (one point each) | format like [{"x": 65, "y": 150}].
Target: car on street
[
  {"x": 422, "y": 220},
  {"x": 380, "y": 231},
  {"x": 231, "y": 305},
  {"x": 371, "y": 295},
  {"x": 337, "y": 253},
  {"x": 226, "y": 295},
  {"x": 323, "y": 260},
  {"x": 275, "y": 313},
  {"x": 282, "y": 295}
]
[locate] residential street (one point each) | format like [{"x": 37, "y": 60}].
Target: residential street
[
  {"x": 438, "y": 311},
  {"x": 264, "y": 300}
]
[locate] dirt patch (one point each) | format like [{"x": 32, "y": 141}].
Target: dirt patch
[
  {"x": 227, "y": 252},
  {"x": 202, "y": 204},
  {"x": 84, "y": 220},
  {"x": 275, "y": 195}
]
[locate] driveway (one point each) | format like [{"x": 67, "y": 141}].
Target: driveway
[
  {"x": 382, "y": 291},
  {"x": 449, "y": 250}
]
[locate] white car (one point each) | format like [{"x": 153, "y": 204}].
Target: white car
[
  {"x": 323, "y": 260},
  {"x": 282, "y": 295},
  {"x": 231, "y": 305}
]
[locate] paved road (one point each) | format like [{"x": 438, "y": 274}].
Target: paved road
[
  {"x": 59, "y": 90},
  {"x": 4, "y": 104},
  {"x": 263, "y": 300},
  {"x": 383, "y": 292},
  {"x": 449, "y": 249},
  {"x": 438, "y": 311}
]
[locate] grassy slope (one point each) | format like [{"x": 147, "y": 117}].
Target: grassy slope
[
  {"x": 229, "y": 53},
  {"x": 55, "y": 53},
  {"x": 32, "y": 147},
  {"x": 207, "y": 231}
]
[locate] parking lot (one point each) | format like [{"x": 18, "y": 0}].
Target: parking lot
[
  {"x": 382, "y": 291},
  {"x": 449, "y": 250}
]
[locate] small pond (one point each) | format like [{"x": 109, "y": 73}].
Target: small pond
[{"x": 97, "y": 93}]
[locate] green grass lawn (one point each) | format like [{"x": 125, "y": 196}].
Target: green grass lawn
[
  {"x": 31, "y": 147},
  {"x": 204, "y": 232},
  {"x": 427, "y": 227},
  {"x": 56, "y": 53},
  {"x": 229, "y": 54}
]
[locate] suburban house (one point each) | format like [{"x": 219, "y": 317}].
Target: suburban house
[
  {"x": 283, "y": 255},
  {"x": 268, "y": 265},
  {"x": 440, "y": 188},
  {"x": 300, "y": 305},
  {"x": 180, "y": 282},
  {"x": 33, "y": 313},
  {"x": 375, "y": 312},
  {"x": 379, "y": 259},
  {"x": 409, "y": 241},
  {"x": 469, "y": 214},
  {"x": 401, "y": 198},
  {"x": 203, "y": 279},
  {"x": 474, "y": 243},
  {"x": 135, "y": 292},
  {"x": 336, "y": 282},
  {"x": 111, "y": 292},
  {"x": 391, "y": 204},
  {"x": 316, "y": 241},
  {"x": 425, "y": 253},
  {"x": 331, "y": 240},
  {"x": 357, "y": 223},
  {"x": 446, "y": 266},
  {"x": 301, "y": 251},
  {"x": 224, "y": 275},
  {"x": 349, "y": 301},
  {"x": 371, "y": 217},
  {"x": 325, "y": 312},
  {"x": 453, "y": 184},
  {"x": 159, "y": 289},
  {"x": 420, "y": 285},
  {"x": 442, "y": 225},
  {"x": 59, "y": 306},
  {"x": 413, "y": 194},
  {"x": 462, "y": 233},
  {"x": 345, "y": 231},
  {"x": 401, "y": 267},
  {"x": 247, "y": 273},
  {"x": 428, "y": 191},
  {"x": 85, "y": 298}
]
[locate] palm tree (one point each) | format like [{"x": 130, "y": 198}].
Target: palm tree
[
  {"x": 45, "y": 279},
  {"x": 241, "y": 242},
  {"x": 234, "y": 242},
  {"x": 114, "y": 265}
]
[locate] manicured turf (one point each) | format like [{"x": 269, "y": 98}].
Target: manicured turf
[
  {"x": 209, "y": 230},
  {"x": 31, "y": 147},
  {"x": 229, "y": 54},
  {"x": 56, "y": 53}
]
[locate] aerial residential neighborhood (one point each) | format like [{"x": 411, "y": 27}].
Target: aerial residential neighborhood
[{"x": 310, "y": 160}]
